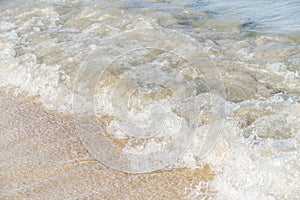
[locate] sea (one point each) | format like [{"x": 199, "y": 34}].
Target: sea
[{"x": 167, "y": 84}]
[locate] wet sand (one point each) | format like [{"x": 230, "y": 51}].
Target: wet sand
[{"x": 42, "y": 157}]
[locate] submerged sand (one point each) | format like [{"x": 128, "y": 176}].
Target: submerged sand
[{"x": 42, "y": 157}]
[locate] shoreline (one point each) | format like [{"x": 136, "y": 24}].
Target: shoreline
[{"x": 43, "y": 158}]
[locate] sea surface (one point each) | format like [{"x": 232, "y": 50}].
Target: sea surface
[{"x": 168, "y": 84}]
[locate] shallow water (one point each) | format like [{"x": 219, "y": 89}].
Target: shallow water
[
  {"x": 262, "y": 16},
  {"x": 169, "y": 84}
]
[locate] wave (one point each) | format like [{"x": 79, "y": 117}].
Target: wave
[{"x": 176, "y": 67}]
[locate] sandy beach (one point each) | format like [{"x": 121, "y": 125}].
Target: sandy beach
[{"x": 43, "y": 158}]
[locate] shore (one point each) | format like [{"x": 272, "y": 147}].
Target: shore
[
  {"x": 195, "y": 75},
  {"x": 42, "y": 157}
]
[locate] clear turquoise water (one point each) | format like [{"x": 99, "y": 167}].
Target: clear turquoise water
[
  {"x": 275, "y": 16},
  {"x": 262, "y": 16}
]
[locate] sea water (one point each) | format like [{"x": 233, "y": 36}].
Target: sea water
[{"x": 183, "y": 83}]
